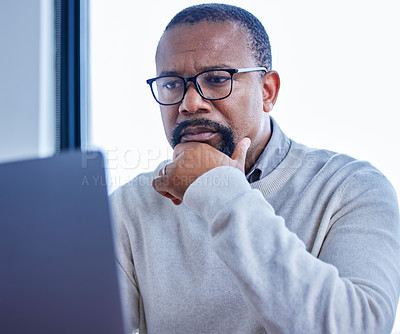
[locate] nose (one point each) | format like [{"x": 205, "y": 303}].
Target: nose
[{"x": 193, "y": 101}]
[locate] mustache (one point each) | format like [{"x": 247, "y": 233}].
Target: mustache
[
  {"x": 177, "y": 132},
  {"x": 227, "y": 145}
]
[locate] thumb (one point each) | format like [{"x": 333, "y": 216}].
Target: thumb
[{"x": 239, "y": 154}]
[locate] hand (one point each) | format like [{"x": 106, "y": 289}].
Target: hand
[{"x": 191, "y": 160}]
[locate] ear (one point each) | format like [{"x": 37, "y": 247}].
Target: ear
[{"x": 271, "y": 84}]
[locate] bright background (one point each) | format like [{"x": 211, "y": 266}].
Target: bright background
[{"x": 339, "y": 68}]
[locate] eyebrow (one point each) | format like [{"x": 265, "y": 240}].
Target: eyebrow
[{"x": 205, "y": 68}]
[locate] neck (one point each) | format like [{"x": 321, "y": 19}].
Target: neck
[{"x": 258, "y": 147}]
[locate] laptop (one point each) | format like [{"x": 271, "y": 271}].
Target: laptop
[{"x": 57, "y": 262}]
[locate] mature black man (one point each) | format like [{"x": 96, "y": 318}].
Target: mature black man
[{"x": 246, "y": 230}]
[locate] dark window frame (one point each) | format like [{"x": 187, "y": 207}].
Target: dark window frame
[{"x": 71, "y": 22}]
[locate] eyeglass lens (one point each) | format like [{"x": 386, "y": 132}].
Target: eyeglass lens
[{"x": 211, "y": 85}]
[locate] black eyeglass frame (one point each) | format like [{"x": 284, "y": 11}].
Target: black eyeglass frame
[{"x": 193, "y": 79}]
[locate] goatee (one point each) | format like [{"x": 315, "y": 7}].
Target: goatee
[{"x": 227, "y": 145}]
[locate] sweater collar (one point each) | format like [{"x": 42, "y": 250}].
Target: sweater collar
[{"x": 274, "y": 152}]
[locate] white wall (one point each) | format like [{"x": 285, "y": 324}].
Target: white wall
[{"x": 26, "y": 79}]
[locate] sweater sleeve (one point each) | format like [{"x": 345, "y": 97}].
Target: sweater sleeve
[{"x": 353, "y": 285}]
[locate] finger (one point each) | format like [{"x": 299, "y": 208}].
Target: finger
[
  {"x": 178, "y": 149},
  {"x": 176, "y": 201},
  {"x": 239, "y": 154},
  {"x": 163, "y": 186},
  {"x": 190, "y": 145},
  {"x": 160, "y": 184},
  {"x": 163, "y": 170}
]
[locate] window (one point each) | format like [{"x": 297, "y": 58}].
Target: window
[{"x": 27, "y": 79}]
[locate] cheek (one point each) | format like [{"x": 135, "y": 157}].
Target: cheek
[
  {"x": 245, "y": 112},
  {"x": 168, "y": 117},
  {"x": 169, "y": 121}
]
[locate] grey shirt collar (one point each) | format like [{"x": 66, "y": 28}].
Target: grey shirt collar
[{"x": 274, "y": 152}]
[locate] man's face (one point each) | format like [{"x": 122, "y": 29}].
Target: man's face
[{"x": 186, "y": 50}]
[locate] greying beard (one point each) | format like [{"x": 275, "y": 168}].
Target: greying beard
[{"x": 227, "y": 142}]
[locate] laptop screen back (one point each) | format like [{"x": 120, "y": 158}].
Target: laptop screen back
[{"x": 57, "y": 265}]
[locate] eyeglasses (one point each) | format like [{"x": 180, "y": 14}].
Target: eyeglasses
[{"x": 212, "y": 85}]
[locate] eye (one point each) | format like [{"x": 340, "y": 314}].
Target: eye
[
  {"x": 215, "y": 78},
  {"x": 172, "y": 84}
]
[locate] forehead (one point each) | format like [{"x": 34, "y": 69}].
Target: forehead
[{"x": 193, "y": 48}]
